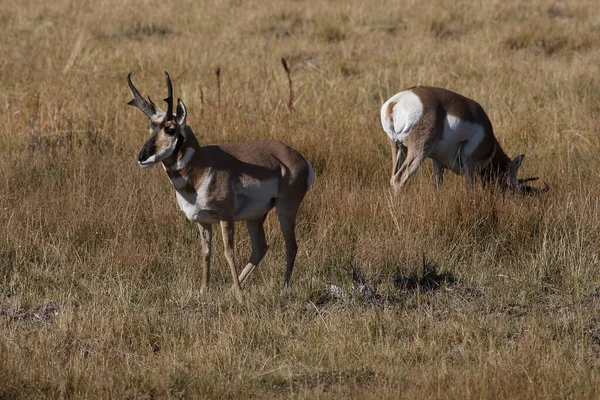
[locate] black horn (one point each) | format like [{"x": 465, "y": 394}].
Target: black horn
[
  {"x": 169, "y": 98},
  {"x": 139, "y": 101},
  {"x": 526, "y": 189},
  {"x": 525, "y": 180}
]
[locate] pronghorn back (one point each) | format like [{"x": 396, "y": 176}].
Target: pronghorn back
[
  {"x": 267, "y": 158},
  {"x": 426, "y": 108}
]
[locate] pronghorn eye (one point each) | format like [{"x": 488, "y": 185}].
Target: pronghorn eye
[{"x": 169, "y": 130}]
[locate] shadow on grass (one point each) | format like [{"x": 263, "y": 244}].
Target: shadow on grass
[
  {"x": 430, "y": 279},
  {"x": 361, "y": 288}
]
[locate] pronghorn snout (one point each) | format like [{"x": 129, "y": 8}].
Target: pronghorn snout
[
  {"x": 147, "y": 156},
  {"x": 530, "y": 190},
  {"x": 142, "y": 156}
]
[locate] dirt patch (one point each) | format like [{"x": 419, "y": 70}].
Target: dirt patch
[
  {"x": 325, "y": 380},
  {"x": 444, "y": 31},
  {"x": 142, "y": 31},
  {"x": 45, "y": 313},
  {"x": 547, "y": 45}
]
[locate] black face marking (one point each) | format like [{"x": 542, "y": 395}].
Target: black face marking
[{"x": 148, "y": 150}]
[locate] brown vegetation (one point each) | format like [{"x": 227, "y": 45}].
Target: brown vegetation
[{"x": 450, "y": 294}]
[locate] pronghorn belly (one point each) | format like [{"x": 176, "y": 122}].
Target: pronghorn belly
[
  {"x": 400, "y": 114},
  {"x": 458, "y": 135},
  {"x": 254, "y": 198}
]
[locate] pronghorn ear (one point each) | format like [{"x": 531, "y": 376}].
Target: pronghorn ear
[
  {"x": 181, "y": 113},
  {"x": 514, "y": 169}
]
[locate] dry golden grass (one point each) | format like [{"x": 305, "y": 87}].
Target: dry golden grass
[{"x": 477, "y": 296}]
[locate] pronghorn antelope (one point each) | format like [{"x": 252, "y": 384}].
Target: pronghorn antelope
[
  {"x": 226, "y": 183},
  {"x": 452, "y": 130}
]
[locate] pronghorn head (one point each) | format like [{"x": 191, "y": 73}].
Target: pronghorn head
[
  {"x": 512, "y": 185},
  {"x": 166, "y": 128}
]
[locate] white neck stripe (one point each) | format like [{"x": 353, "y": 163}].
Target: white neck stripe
[{"x": 183, "y": 161}]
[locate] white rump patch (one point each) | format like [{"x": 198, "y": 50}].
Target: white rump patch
[{"x": 405, "y": 114}]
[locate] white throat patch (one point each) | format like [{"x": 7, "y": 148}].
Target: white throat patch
[{"x": 183, "y": 161}]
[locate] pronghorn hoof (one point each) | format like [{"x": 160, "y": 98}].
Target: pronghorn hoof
[{"x": 237, "y": 293}]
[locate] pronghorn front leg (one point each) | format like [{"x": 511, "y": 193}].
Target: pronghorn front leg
[
  {"x": 438, "y": 174},
  {"x": 206, "y": 237},
  {"x": 465, "y": 165},
  {"x": 228, "y": 231},
  {"x": 259, "y": 246}
]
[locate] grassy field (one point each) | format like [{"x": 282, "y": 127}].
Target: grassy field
[{"x": 468, "y": 294}]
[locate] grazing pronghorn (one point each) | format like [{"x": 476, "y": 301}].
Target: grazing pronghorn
[
  {"x": 226, "y": 183},
  {"x": 452, "y": 130}
]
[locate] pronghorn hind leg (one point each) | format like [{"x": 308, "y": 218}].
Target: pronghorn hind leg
[
  {"x": 394, "y": 147},
  {"x": 398, "y": 155},
  {"x": 228, "y": 231},
  {"x": 206, "y": 238},
  {"x": 413, "y": 161},
  {"x": 287, "y": 220},
  {"x": 256, "y": 231}
]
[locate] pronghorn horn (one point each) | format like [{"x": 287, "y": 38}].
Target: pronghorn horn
[
  {"x": 139, "y": 101},
  {"x": 524, "y": 180},
  {"x": 533, "y": 190},
  {"x": 151, "y": 102},
  {"x": 169, "y": 98}
]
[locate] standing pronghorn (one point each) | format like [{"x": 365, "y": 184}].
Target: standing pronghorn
[
  {"x": 226, "y": 183},
  {"x": 454, "y": 131}
]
